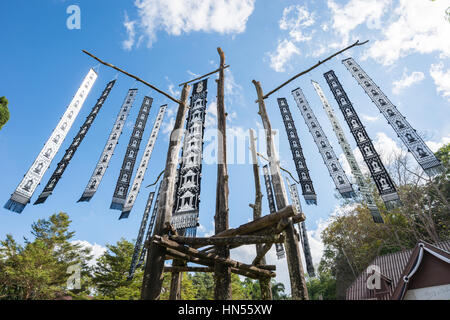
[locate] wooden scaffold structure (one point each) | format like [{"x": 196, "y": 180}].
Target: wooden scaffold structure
[{"x": 213, "y": 253}]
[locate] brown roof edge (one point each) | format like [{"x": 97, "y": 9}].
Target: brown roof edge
[{"x": 402, "y": 286}]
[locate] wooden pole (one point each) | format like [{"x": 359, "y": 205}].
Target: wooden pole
[
  {"x": 132, "y": 76},
  {"x": 222, "y": 274},
  {"x": 264, "y": 284},
  {"x": 297, "y": 279},
  {"x": 176, "y": 279},
  {"x": 153, "y": 274},
  {"x": 204, "y": 76},
  {"x": 230, "y": 241},
  {"x": 357, "y": 43}
]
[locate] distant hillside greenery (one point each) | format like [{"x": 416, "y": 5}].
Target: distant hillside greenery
[{"x": 4, "y": 112}]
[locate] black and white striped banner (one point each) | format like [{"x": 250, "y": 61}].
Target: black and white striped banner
[
  {"x": 424, "y": 156},
  {"x": 187, "y": 196},
  {"x": 110, "y": 146},
  {"x": 23, "y": 193},
  {"x": 123, "y": 182},
  {"x": 70, "y": 152},
  {"x": 383, "y": 181},
  {"x": 272, "y": 208},
  {"x": 297, "y": 154},
  {"x": 293, "y": 191},
  {"x": 143, "y": 165},
  {"x": 325, "y": 149},
  {"x": 348, "y": 153},
  {"x": 140, "y": 237}
]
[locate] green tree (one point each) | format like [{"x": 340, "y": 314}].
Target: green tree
[
  {"x": 111, "y": 271},
  {"x": 38, "y": 270},
  {"x": 4, "y": 112},
  {"x": 322, "y": 287}
]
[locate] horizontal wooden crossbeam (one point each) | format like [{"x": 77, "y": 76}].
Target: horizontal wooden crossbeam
[
  {"x": 132, "y": 76},
  {"x": 230, "y": 241},
  {"x": 179, "y": 251},
  {"x": 204, "y": 76}
]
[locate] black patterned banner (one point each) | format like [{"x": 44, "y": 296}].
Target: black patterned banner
[
  {"x": 23, "y": 193},
  {"x": 109, "y": 148},
  {"x": 293, "y": 191},
  {"x": 424, "y": 156},
  {"x": 187, "y": 196},
  {"x": 325, "y": 149},
  {"x": 149, "y": 230},
  {"x": 297, "y": 153},
  {"x": 123, "y": 182},
  {"x": 383, "y": 181},
  {"x": 348, "y": 153},
  {"x": 272, "y": 208},
  {"x": 140, "y": 237},
  {"x": 70, "y": 152}
]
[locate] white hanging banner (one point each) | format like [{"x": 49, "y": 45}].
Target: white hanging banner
[
  {"x": 424, "y": 156},
  {"x": 348, "y": 153},
  {"x": 143, "y": 165},
  {"x": 23, "y": 193},
  {"x": 325, "y": 149},
  {"x": 110, "y": 146}
]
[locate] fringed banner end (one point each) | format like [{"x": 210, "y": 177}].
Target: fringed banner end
[{"x": 14, "y": 206}]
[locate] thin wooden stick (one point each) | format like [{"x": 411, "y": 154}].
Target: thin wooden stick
[
  {"x": 205, "y": 75},
  {"x": 285, "y": 170},
  {"x": 357, "y": 43},
  {"x": 132, "y": 76},
  {"x": 157, "y": 179}
]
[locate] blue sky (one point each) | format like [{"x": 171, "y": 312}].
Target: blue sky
[{"x": 168, "y": 42}]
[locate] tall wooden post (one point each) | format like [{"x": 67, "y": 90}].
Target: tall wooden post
[
  {"x": 264, "y": 284},
  {"x": 176, "y": 279},
  {"x": 222, "y": 273},
  {"x": 153, "y": 274},
  {"x": 297, "y": 278}
]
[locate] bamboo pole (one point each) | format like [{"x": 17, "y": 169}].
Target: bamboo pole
[
  {"x": 222, "y": 274},
  {"x": 153, "y": 274},
  {"x": 132, "y": 76},
  {"x": 296, "y": 275}
]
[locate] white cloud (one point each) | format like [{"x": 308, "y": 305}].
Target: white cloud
[
  {"x": 285, "y": 51},
  {"x": 96, "y": 250},
  {"x": 369, "y": 118},
  {"x": 441, "y": 79},
  {"x": 131, "y": 32},
  {"x": 418, "y": 26},
  {"x": 435, "y": 146},
  {"x": 348, "y": 17},
  {"x": 295, "y": 19},
  {"x": 406, "y": 81},
  {"x": 183, "y": 16}
]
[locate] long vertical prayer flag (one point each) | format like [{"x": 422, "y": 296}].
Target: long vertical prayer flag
[
  {"x": 325, "y": 149},
  {"x": 268, "y": 182},
  {"x": 383, "y": 181},
  {"x": 142, "y": 168},
  {"x": 297, "y": 154},
  {"x": 149, "y": 230},
  {"x": 23, "y": 193},
  {"x": 140, "y": 237},
  {"x": 123, "y": 182},
  {"x": 70, "y": 152},
  {"x": 187, "y": 197},
  {"x": 421, "y": 152},
  {"x": 110, "y": 146},
  {"x": 348, "y": 153},
  {"x": 293, "y": 191}
]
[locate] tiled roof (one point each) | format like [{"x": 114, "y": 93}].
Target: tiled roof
[{"x": 391, "y": 266}]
